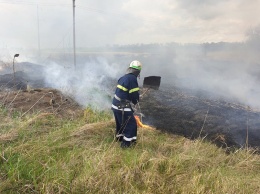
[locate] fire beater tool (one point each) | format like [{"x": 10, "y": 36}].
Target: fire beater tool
[{"x": 151, "y": 82}]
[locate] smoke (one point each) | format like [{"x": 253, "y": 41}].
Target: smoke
[
  {"x": 89, "y": 83},
  {"x": 227, "y": 71},
  {"x": 234, "y": 79},
  {"x": 7, "y": 58}
]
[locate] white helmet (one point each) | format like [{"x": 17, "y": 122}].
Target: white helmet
[{"x": 136, "y": 65}]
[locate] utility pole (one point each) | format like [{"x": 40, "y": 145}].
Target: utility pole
[
  {"x": 74, "y": 36},
  {"x": 39, "y": 43}
]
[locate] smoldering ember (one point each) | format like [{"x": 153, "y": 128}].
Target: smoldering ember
[{"x": 171, "y": 109}]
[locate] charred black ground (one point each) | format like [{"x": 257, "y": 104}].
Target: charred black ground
[
  {"x": 171, "y": 109},
  {"x": 177, "y": 111}
]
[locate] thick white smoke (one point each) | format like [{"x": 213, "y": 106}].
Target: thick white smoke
[
  {"x": 225, "y": 71},
  {"x": 89, "y": 83},
  {"x": 230, "y": 71},
  {"x": 236, "y": 79}
]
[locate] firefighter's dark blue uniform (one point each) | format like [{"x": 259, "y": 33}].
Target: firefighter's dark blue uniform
[{"x": 127, "y": 89}]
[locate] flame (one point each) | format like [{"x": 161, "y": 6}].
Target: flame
[{"x": 140, "y": 124}]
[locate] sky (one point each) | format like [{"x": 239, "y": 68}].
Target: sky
[
  {"x": 100, "y": 23},
  {"x": 123, "y": 22}
]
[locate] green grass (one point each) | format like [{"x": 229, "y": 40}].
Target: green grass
[{"x": 52, "y": 155}]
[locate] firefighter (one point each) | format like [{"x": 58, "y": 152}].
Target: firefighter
[{"x": 127, "y": 92}]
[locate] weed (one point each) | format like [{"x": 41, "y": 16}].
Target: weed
[{"x": 55, "y": 155}]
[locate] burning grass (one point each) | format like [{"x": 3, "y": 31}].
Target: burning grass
[{"x": 55, "y": 155}]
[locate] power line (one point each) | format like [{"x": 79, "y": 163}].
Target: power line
[
  {"x": 117, "y": 15},
  {"x": 114, "y": 14},
  {"x": 22, "y": 2},
  {"x": 74, "y": 34},
  {"x": 67, "y": 34},
  {"x": 83, "y": 7},
  {"x": 38, "y": 25}
]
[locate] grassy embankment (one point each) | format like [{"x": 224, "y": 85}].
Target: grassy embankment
[{"x": 44, "y": 154}]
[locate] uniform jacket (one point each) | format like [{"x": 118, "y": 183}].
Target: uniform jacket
[{"x": 127, "y": 89}]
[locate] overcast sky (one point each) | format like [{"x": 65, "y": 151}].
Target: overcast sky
[{"x": 100, "y": 22}]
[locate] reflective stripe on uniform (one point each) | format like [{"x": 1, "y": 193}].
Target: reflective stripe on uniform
[
  {"x": 116, "y": 97},
  {"x": 125, "y": 109},
  {"x": 133, "y": 90},
  {"x": 119, "y": 135},
  {"x": 125, "y": 89},
  {"x": 129, "y": 139},
  {"x": 122, "y": 88}
]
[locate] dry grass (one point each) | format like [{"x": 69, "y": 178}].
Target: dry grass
[
  {"x": 13, "y": 132},
  {"x": 79, "y": 157}
]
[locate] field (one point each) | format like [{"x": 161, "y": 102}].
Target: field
[{"x": 45, "y": 153}]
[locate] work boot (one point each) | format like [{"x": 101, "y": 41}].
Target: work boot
[
  {"x": 125, "y": 144},
  {"x": 133, "y": 143},
  {"x": 120, "y": 138}
]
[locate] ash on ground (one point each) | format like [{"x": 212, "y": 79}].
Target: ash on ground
[
  {"x": 175, "y": 110},
  {"x": 180, "y": 112}
]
